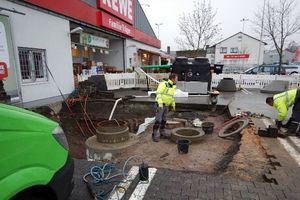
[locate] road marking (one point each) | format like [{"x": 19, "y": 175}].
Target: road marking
[
  {"x": 142, "y": 187},
  {"x": 290, "y": 149},
  {"x": 118, "y": 194}
]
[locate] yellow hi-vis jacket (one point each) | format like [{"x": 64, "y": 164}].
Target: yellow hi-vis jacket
[
  {"x": 283, "y": 101},
  {"x": 165, "y": 93}
]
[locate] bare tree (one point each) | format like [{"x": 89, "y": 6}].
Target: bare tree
[
  {"x": 280, "y": 22},
  {"x": 198, "y": 28}
]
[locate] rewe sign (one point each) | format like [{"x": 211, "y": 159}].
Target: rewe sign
[
  {"x": 123, "y": 9},
  {"x": 115, "y": 24}
]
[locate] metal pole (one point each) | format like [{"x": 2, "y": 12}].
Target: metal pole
[
  {"x": 244, "y": 20},
  {"x": 243, "y": 59},
  {"x": 158, "y": 28},
  {"x": 261, "y": 31}
]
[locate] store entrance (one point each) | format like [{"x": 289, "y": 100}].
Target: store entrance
[{"x": 95, "y": 53}]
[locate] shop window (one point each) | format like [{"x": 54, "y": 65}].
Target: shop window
[
  {"x": 223, "y": 50},
  {"x": 32, "y": 64}
]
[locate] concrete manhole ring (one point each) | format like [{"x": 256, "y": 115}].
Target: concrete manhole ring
[
  {"x": 191, "y": 134},
  {"x": 111, "y": 132},
  {"x": 224, "y": 130}
]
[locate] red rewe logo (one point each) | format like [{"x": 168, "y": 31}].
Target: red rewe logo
[
  {"x": 3, "y": 70},
  {"x": 123, "y": 9}
]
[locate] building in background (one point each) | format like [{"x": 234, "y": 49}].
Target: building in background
[
  {"x": 237, "y": 52},
  {"x": 272, "y": 57},
  {"x": 71, "y": 37}
]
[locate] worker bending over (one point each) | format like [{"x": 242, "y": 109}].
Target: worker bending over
[
  {"x": 165, "y": 101},
  {"x": 282, "y": 102}
]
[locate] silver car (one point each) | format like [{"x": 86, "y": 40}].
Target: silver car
[{"x": 291, "y": 69}]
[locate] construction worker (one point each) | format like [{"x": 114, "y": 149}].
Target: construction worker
[
  {"x": 282, "y": 102},
  {"x": 165, "y": 101}
]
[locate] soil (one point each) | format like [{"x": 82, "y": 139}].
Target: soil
[
  {"x": 237, "y": 156},
  {"x": 251, "y": 161}
]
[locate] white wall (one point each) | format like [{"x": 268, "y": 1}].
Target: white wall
[
  {"x": 40, "y": 30},
  {"x": 133, "y": 46},
  {"x": 245, "y": 45},
  {"x": 271, "y": 57}
]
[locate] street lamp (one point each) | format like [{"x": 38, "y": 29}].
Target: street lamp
[
  {"x": 244, "y": 20},
  {"x": 158, "y": 24}
]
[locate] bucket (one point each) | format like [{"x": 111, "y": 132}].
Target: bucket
[
  {"x": 208, "y": 127},
  {"x": 183, "y": 146}
]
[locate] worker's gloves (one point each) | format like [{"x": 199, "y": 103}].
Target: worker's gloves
[{"x": 278, "y": 123}]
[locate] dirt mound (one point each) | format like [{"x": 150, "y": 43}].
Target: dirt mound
[{"x": 250, "y": 162}]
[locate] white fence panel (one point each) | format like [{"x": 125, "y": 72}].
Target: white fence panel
[
  {"x": 117, "y": 81},
  {"x": 138, "y": 80},
  {"x": 141, "y": 80},
  {"x": 255, "y": 81}
]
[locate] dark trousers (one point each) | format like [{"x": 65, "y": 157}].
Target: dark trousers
[{"x": 294, "y": 121}]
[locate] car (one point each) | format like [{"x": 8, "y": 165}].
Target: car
[
  {"x": 295, "y": 63},
  {"x": 34, "y": 159},
  {"x": 291, "y": 69},
  {"x": 265, "y": 69}
]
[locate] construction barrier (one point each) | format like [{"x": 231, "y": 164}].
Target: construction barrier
[
  {"x": 249, "y": 81},
  {"x": 139, "y": 80}
]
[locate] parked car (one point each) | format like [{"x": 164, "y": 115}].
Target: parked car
[
  {"x": 34, "y": 159},
  {"x": 265, "y": 69},
  {"x": 291, "y": 69},
  {"x": 295, "y": 63}
]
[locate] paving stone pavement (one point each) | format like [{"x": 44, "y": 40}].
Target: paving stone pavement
[
  {"x": 192, "y": 186},
  {"x": 281, "y": 181}
]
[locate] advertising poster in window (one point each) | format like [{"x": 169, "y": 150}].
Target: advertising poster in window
[
  {"x": 4, "y": 58},
  {"x": 7, "y": 58}
]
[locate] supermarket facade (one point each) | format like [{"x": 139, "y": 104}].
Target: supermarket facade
[{"x": 49, "y": 42}]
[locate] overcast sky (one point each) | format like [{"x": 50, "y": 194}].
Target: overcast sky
[{"x": 229, "y": 15}]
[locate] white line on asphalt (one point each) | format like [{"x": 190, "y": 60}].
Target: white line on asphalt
[
  {"x": 118, "y": 194},
  {"x": 290, "y": 149},
  {"x": 296, "y": 141},
  {"x": 142, "y": 187}
]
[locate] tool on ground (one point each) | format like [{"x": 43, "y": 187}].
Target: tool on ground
[{"x": 271, "y": 131}]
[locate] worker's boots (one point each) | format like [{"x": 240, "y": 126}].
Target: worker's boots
[
  {"x": 155, "y": 134},
  {"x": 294, "y": 129},
  {"x": 162, "y": 130}
]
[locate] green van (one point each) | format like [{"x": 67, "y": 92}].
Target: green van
[{"x": 34, "y": 159}]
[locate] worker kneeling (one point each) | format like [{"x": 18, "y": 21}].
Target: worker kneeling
[
  {"x": 165, "y": 101},
  {"x": 281, "y": 102}
]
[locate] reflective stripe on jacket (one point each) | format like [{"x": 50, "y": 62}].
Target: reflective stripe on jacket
[
  {"x": 283, "y": 101},
  {"x": 165, "y": 93}
]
